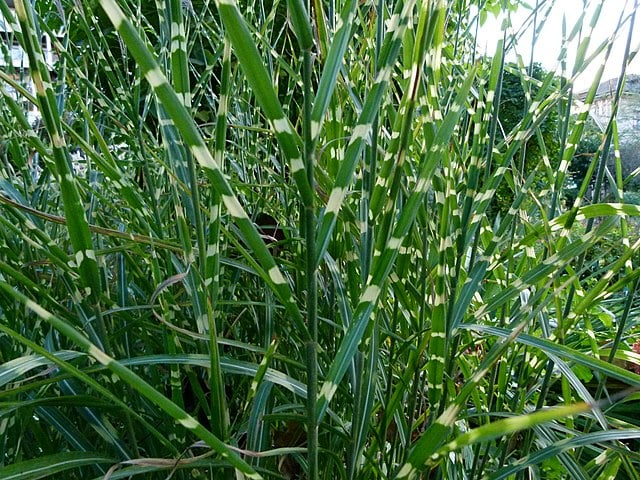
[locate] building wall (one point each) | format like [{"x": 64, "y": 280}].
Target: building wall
[
  {"x": 628, "y": 110},
  {"x": 628, "y": 121},
  {"x": 15, "y": 62}
]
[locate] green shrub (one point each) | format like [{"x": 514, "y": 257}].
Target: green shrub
[{"x": 153, "y": 323}]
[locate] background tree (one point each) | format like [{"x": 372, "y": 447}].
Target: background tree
[
  {"x": 590, "y": 142},
  {"x": 519, "y": 88},
  {"x": 397, "y": 328}
]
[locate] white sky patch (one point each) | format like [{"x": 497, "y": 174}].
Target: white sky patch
[{"x": 549, "y": 41}]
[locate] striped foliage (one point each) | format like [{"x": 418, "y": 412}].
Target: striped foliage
[{"x": 258, "y": 239}]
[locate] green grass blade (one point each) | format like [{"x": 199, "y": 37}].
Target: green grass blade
[
  {"x": 256, "y": 74},
  {"x": 193, "y": 140},
  {"x": 136, "y": 382},
  {"x": 44, "y": 467},
  {"x": 84, "y": 252}
]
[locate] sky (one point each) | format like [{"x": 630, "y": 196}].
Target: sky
[{"x": 548, "y": 42}]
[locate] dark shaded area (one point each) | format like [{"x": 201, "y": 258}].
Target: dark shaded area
[{"x": 513, "y": 109}]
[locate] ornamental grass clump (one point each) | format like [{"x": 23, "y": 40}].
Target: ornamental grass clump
[{"x": 310, "y": 241}]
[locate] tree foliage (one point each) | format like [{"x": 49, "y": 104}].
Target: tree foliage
[
  {"x": 275, "y": 253},
  {"x": 519, "y": 89}
]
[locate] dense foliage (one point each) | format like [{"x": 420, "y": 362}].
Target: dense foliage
[
  {"x": 261, "y": 240},
  {"x": 516, "y": 93}
]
